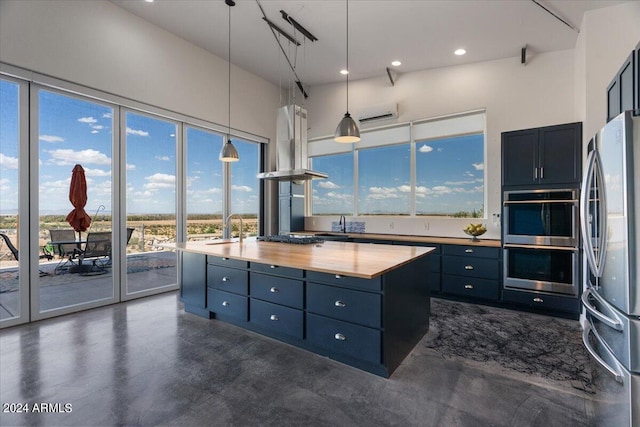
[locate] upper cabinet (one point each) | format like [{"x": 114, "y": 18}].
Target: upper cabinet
[
  {"x": 547, "y": 156},
  {"x": 623, "y": 93}
]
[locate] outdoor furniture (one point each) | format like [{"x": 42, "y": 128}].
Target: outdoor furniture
[
  {"x": 65, "y": 246},
  {"x": 98, "y": 249},
  {"x": 15, "y": 252}
]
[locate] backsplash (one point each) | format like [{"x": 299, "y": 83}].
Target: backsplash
[{"x": 350, "y": 226}]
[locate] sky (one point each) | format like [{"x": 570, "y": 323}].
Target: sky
[
  {"x": 76, "y": 131},
  {"x": 449, "y": 179}
]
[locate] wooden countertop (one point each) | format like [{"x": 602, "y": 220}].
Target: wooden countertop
[
  {"x": 415, "y": 239},
  {"x": 349, "y": 259}
]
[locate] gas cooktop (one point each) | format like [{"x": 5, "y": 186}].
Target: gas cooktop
[{"x": 298, "y": 239}]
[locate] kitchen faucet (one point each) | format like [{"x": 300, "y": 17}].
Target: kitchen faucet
[
  {"x": 227, "y": 223},
  {"x": 343, "y": 224}
]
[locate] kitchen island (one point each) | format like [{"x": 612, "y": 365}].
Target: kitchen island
[{"x": 363, "y": 305}]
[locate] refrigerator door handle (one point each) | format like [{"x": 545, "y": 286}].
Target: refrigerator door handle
[
  {"x": 613, "y": 321},
  {"x": 615, "y": 371},
  {"x": 585, "y": 191}
]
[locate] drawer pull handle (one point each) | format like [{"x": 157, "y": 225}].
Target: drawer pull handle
[
  {"x": 339, "y": 337},
  {"x": 273, "y": 266},
  {"x": 338, "y": 276},
  {"x": 340, "y": 303},
  {"x": 536, "y": 299},
  {"x": 274, "y": 317},
  {"x": 225, "y": 279},
  {"x": 468, "y": 251},
  {"x": 468, "y": 267},
  {"x": 225, "y": 303},
  {"x": 274, "y": 290},
  {"x": 468, "y": 286}
]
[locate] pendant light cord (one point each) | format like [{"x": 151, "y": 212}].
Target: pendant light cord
[
  {"x": 348, "y": 56},
  {"x": 229, "y": 98}
]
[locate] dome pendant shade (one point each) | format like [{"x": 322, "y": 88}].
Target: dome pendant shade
[
  {"x": 228, "y": 153},
  {"x": 347, "y": 131}
]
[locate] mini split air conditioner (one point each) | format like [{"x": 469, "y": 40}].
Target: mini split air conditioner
[{"x": 378, "y": 113}]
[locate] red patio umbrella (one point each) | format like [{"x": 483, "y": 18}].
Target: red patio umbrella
[{"x": 78, "y": 218}]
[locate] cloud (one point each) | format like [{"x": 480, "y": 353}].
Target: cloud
[
  {"x": 473, "y": 181},
  {"x": 163, "y": 158},
  {"x": 64, "y": 157},
  {"x": 338, "y": 196},
  {"x": 96, "y": 172},
  {"x": 244, "y": 188},
  {"x": 94, "y": 131},
  {"x": 478, "y": 166},
  {"x": 160, "y": 180},
  {"x": 377, "y": 193},
  {"x": 130, "y": 167},
  {"x": 98, "y": 127},
  {"x": 4, "y": 184},
  {"x": 8, "y": 162},
  {"x": 425, "y": 149},
  {"x": 107, "y": 115},
  {"x": 136, "y": 132},
  {"x": 89, "y": 120},
  {"x": 328, "y": 184},
  {"x": 50, "y": 138}
]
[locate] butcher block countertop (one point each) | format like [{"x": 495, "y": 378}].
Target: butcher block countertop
[{"x": 345, "y": 258}]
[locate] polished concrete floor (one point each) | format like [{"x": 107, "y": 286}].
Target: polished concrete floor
[{"x": 147, "y": 362}]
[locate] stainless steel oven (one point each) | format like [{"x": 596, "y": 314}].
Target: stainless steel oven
[
  {"x": 541, "y": 217},
  {"x": 552, "y": 269}
]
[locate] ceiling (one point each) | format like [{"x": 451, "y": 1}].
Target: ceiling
[{"x": 421, "y": 33}]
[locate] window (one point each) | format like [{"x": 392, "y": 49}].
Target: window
[
  {"x": 334, "y": 195},
  {"x": 384, "y": 180},
  {"x": 432, "y": 167},
  {"x": 450, "y": 177},
  {"x": 245, "y": 194}
]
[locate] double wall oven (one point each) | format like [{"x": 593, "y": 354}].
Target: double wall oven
[{"x": 541, "y": 237}]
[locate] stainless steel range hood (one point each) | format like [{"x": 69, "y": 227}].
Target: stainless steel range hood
[{"x": 291, "y": 146}]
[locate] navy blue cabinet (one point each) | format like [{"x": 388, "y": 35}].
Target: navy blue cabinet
[
  {"x": 471, "y": 271},
  {"x": 623, "y": 93},
  {"x": 193, "y": 283}
]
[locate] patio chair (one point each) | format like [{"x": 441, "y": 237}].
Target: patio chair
[
  {"x": 98, "y": 249},
  {"x": 14, "y": 251},
  {"x": 63, "y": 246}
]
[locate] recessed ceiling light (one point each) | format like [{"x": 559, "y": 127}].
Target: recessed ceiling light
[
  {"x": 460, "y": 52},
  {"x": 396, "y": 63},
  {"x": 344, "y": 72}
]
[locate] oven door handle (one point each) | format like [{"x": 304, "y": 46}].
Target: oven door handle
[
  {"x": 555, "y": 248},
  {"x": 538, "y": 202},
  {"x": 616, "y": 371},
  {"x": 612, "y": 320}
]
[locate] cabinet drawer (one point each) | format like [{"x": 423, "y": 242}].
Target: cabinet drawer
[
  {"x": 471, "y": 287},
  {"x": 279, "y": 290},
  {"x": 352, "y": 340},
  {"x": 345, "y": 304},
  {"x": 337, "y": 279},
  {"x": 484, "y": 268},
  {"x": 228, "y": 262},
  {"x": 542, "y": 301},
  {"x": 228, "y": 279},
  {"x": 228, "y": 304},
  {"x": 474, "y": 251},
  {"x": 277, "y": 270},
  {"x": 276, "y": 318}
]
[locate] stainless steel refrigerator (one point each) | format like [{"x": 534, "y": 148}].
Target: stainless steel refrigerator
[{"x": 610, "y": 224}]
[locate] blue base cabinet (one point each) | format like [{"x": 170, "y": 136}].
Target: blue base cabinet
[{"x": 371, "y": 324}]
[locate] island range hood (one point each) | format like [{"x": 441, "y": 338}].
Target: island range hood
[{"x": 291, "y": 147}]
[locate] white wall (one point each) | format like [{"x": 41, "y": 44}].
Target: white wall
[
  {"x": 539, "y": 93},
  {"x": 100, "y": 45}
]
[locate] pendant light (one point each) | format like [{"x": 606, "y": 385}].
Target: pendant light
[
  {"x": 228, "y": 153},
  {"x": 347, "y": 130}
]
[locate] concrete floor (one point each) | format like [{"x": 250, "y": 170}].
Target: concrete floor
[{"x": 147, "y": 362}]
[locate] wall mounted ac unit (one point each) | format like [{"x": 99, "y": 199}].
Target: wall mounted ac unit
[{"x": 378, "y": 113}]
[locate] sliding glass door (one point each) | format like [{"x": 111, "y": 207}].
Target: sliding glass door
[
  {"x": 151, "y": 150},
  {"x": 74, "y": 141}
]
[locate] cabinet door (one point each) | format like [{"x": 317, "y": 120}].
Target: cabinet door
[
  {"x": 626, "y": 84},
  {"x": 560, "y": 154},
  {"x": 519, "y": 157},
  {"x": 613, "y": 99},
  {"x": 194, "y": 280}
]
